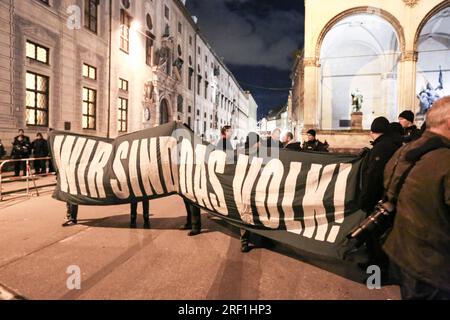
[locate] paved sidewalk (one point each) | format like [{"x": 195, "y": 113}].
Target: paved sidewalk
[{"x": 162, "y": 263}]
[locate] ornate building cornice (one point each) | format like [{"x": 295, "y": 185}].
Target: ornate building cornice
[
  {"x": 411, "y": 3},
  {"x": 311, "y": 62},
  {"x": 410, "y": 56}
]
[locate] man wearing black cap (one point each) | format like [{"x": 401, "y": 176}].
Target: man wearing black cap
[
  {"x": 411, "y": 132},
  {"x": 384, "y": 146},
  {"x": 313, "y": 144}
]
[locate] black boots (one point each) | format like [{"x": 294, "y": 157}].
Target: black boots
[{"x": 245, "y": 239}]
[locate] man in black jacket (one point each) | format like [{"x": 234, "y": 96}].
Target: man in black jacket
[
  {"x": 40, "y": 150},
  {"x": 384, "y": 146},
  {"x": 21, "y": 150},
  {"x": 313, "y": 144},
  {"x": 411, "y": 132}
]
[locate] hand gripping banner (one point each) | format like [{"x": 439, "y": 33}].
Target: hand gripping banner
[{"x": 307, "y": 200}]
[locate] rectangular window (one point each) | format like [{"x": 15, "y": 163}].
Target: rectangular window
[
  {"x": 206, "y": 89},
  {"x": 37, "y": 88},
  {"x": 123, "y": 115},
  {"x": 123, "y": 85},
  {"x": 199, "y": 85},
  {"x": 45, "y": 1},
  {"x": 89, "y": 72},
  {"x": 125, "y": 23},
  {"x": 91, "y": 14},
  {"x": 180, "y": 28},
  {"x": 37, "y": 52},
  {"x": 189, "y": 122},
  {"x": 189, "y": 109},
  {"x": 89, "y": 109},
  {"x": 190, "y": 40},
  {"x": 191, "y": 73},
  {"x": 149, "y": 49},
  {"x": 166, "y": 12}
]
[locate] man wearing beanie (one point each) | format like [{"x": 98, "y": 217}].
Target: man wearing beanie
[
  {"x": 384, "y": 146},
  {"x": 313, "y": 144},
  {"x": 411, "y": 132}
]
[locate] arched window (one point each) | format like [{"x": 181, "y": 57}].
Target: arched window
[
  {"x": 359, "y": 55},
  {"x": 433, "y": 65},
  {"x": 163, "y": 112},
  {"x": 180, "y": 107}
]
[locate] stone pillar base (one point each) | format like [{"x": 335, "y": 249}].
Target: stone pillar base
[{"x": 357, "y": 118}]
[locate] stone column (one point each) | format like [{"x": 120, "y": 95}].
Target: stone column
[
  {"x": 311, "y": 97},
  {"x": 407, "y": 84}
]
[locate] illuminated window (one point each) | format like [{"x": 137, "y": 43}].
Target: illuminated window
[
  {"x": 89, "y": 72},
  {"x": 125, "y": 23},
  {"x": 37, "y": 87},
  {"x": 123, "y": 115},
  {"x": 37, "y": 52},
  {"x": 123, "y": 85},
  {"x": 89, "y": 108},
  {"x": 91, "y": 14}
]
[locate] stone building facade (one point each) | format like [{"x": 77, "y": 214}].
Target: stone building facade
[
  {"x": 387, "y": 51},
  {"x": 110, "y": 67}
]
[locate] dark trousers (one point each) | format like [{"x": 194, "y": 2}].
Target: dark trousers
[
  {"x": 146, "y": 210},
  {"x": 193, "y": 216},
  {"x": 39, "y": 166},
  {"x": 19, "y": 166},
  {"x": 413, "y": 289},
  {"x": 72, "y": 211},
  {"x": 50, "y": 166}
]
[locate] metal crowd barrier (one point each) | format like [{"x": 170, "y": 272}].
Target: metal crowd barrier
[{"x": 29, "y": 175}]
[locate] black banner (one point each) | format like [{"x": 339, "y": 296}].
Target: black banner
[{"x": 306, "y": 200}]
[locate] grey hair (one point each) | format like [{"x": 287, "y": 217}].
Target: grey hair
[{"x": 439, "y": 113}]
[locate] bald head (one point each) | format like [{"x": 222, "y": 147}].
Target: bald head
[{"x": 438, "y": 118}]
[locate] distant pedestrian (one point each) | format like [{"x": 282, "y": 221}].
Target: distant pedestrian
[
  {"x": 411, "y": 132},
  {"x": 2, "y": 150},
  {"x": 21, "y": 150},
  {"x": 313, "y": 144},
  {"x": 22, "y": 134},
  {"x": 40, "y": 150},
  {"x": 224, "y": 143},
  {"x": 274, "y": 140}
]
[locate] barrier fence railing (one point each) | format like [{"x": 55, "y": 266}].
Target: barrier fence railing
[{"x": 29, "y": 174}]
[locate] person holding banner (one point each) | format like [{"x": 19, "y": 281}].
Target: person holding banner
[
  {"x": 146, "y": 213},
  {"x": 252, "y": 146},
  {"x": 72, "y": 215},
  {"x": 193, "y": 219}
]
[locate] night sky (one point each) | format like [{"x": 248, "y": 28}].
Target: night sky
[{"x": 257, "y": 39}]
